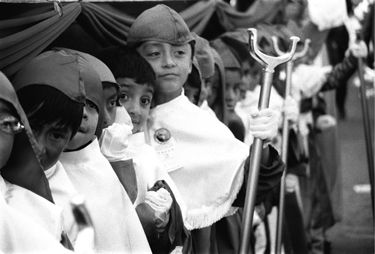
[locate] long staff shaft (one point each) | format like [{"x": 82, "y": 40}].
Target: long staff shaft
[
  {"x": 255, "y": 157},
  {"x": 284, "y": 157},
  {"x": 367, "y": 129}
]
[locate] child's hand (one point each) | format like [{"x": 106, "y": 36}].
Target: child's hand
[
  {"x": 291, "y": 109},
  {"x": 358, "y": 49},
  {"x": 114, "y": 141},
  {"x": 264, "y": 123},
  {"x": 325, "y": 121},
  {"x": 291, "y": 181},
  {"x": 161, "y": 202}
]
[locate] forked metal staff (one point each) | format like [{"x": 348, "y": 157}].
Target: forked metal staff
[
  {"x": 366, "y": 126},
  {"x": 269, "y": 63},
  {"x": 285, "y": 137}
]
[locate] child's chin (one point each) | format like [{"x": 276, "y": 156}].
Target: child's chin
[
  {"x": 136, "y": 129},
  {"x": 79, "y": 140}
]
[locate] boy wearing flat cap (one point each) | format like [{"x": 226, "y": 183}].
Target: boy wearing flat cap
[{"x": 204, "y": 159}]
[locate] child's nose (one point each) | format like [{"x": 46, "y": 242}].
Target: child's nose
[
  {"x": 168, "y": 60},
  {"x": 229, "y": 95},
  {"x": 106, "y": 119},
  {"x": 134, "y": 109},
  {"x": 85, "y": 115}
]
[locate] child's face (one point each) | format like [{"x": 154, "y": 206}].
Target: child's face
[
  {"x": 232, "y": 88},
  {"x": 136, "y": 98},
  {"x": 110, "y": 99},
  {"x": 86, "y": 131},
  {"x": 171, "y": 63},
  {"x": 6, "y": 137},
  {"x": 53, "y": 139}
]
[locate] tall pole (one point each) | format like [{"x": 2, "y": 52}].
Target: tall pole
[
  {"x": 269, "y": 63},
  {"x": 367, "y": 128},
  {"x": 285, "y": 138}
]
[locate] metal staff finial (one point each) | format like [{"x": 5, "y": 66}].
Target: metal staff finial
[
  {"x": 269, "y": 63},
  {"x": 297, "y": 55},
  {"x": 285, "y": 138}
]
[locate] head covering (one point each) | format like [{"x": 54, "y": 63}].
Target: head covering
[
  {"x": 57, "y": 69},
  {"x": 240, "y": 34},
  {"x": 204, "y": 56},
  {"x": 159, "y": 23},
  {"x": 219, "y": 106},
  {"x": 194, "y": 81},
  {"x": 23, "y": 167},
  {"x": 227, "y": 56},
  {"x": 105, "y": 74},
  {"x": 93, "y": 86},
  {"x": 92, "y": 83}
]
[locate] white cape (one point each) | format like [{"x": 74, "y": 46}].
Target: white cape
[
  {"x": 63, "y": 192},
  {"x": 116, "y": 224},
  {"x": 202, "y": 156},
  {"x": 20, "y": 231},
  {"x": 148, "y": 169}
]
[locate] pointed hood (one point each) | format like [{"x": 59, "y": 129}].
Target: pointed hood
[{"x": 23, "y": 167}]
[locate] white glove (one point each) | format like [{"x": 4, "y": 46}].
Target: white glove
[
  {"x": 161, "y": 202},
  {"x": 259, "y": 233},
  {"x": 114, "y": 141},
  {"x": 325, "y": 121},
  {"x": 358, "y": 49},
  {"x": 260, "y": 238},
  {"x": 291, "y": 109},
  {"x": 264, "y": 123},
  {"x": 291, "y": 181}
]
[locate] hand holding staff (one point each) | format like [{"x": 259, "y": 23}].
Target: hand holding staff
[
  {"x": 269, "y": 63},
  {"x": 85, "y": 238}
]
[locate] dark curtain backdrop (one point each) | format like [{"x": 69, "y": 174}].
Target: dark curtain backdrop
[{"x": 28, "y": 29}]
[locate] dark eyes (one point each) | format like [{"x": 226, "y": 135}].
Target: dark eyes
[
  {"x": 153, "y": 54},
  {"x": 112, "y": 103},
  {"x": 123, "y": 97},
  {"x": 145, "y": 101},
  {"x": 180, "y": 52},
  {"x": 90, "y": 104},
  {"x": 56, "y": 135},
  {"x": 10, "y": 124}
]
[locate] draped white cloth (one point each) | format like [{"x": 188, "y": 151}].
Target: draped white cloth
[
  {"x": 327, "y": 14},
  {"x": 43, "y": 212},
  {"x": 21, "y": 227},
  {"x": 116, "y": 224},
  {"x": 207, "y": 108},
  {"x": 202, "y": 156},
  {"x": 63, "y": 191}
]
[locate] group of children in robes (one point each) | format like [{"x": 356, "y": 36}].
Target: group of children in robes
[
  {"x": 152, "y": 166},
  {"x": 154, "y": 136}
]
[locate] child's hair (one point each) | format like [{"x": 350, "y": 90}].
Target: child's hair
[
  {"x": 126, "y": 62},
  {"x": 45, "y": 105}
]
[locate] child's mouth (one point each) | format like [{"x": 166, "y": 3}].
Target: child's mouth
[{"x": 82, "y": 129}]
